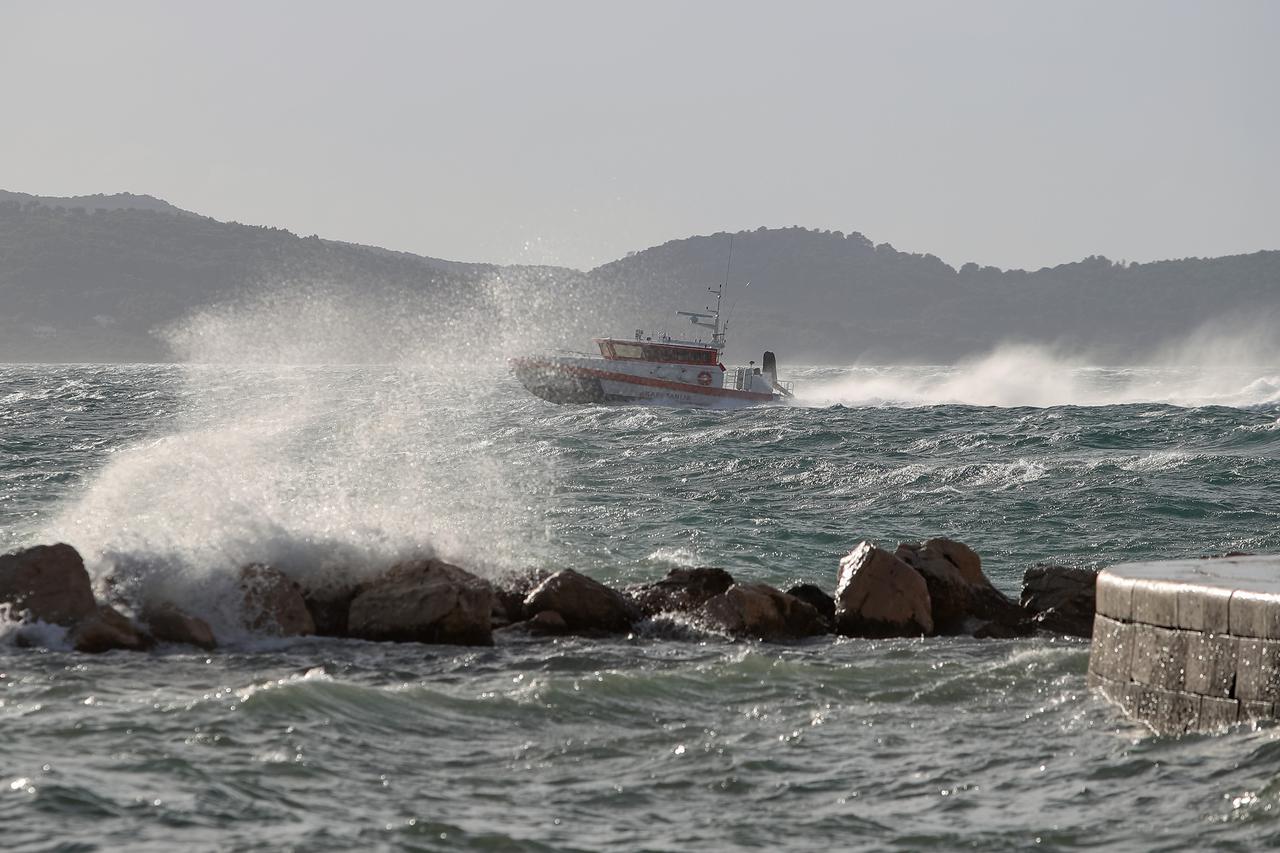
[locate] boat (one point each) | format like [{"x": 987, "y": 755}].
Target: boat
[{"x": 659, "y": 370}]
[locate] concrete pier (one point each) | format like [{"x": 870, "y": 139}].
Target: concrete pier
[{"x": 1189, "y": 645}]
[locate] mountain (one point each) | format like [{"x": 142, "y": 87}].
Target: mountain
[
  {"x": 100, "y": 277},
  {"x": 94, "y": 203},
  {"x": 90, "y": 283}
]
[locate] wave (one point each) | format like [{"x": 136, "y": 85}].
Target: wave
[
  {"x": 327, "y": 473},
  {"x": 15, "y": 630},
  {"x": 1038, "y": 377}
]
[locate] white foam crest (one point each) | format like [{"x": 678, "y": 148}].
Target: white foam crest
[
  {"x": 14, "y": 630},
  {"x": 1011, "y": 375},
  {"x": 1228, "y": 362},
  {"x": 683, "y": 558},
  {"x": 1160, "y": 461},
  {"x": 1009, "y": 474},
  {"x": 315, "y": 674}
]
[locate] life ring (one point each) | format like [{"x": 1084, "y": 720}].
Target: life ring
[{"x": 704, "y": 378}]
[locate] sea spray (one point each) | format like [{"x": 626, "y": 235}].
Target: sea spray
[
  {"x": 311, "y": 470},
  {"x": 329, "y": 473},
  {"x": 450, "y": 332},
  {"x": 425, "y": 446},
  {"x": 1224, "y": 363}
]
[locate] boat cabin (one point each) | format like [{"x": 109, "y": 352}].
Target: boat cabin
[{"x": 666, "y": 352}]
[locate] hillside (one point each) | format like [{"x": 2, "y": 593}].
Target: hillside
[
  {"x": 99, "y": 277},
  {"x": 87, "y": 284},
  {"x": 96, "y": 202}
]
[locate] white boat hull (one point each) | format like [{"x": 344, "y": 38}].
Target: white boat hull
[{"x": 596, "y": 380}]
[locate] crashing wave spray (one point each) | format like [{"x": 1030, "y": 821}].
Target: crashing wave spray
[
  {"x": 326, "y": 472},
  {"x": 1227, "y": 362}
]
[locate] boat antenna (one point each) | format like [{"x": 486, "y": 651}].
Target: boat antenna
[
  {"x": 734, "y": 307},
  {"x": 722, "y": 329},
  {"x": 728, "y": 265},
  {"x": 718, "y": 329}
]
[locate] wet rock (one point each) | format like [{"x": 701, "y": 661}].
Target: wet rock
[
  {"x": 961, "y": 597},
  {"x": 1060, "y": 599},
  {"x": 170, "y": 624},
  {"x": 965, "y": 561},
  {"x": 681, "y": 591},
  {"x": 49, "y": 582},
  {"x": 1044, "y": 587},
  {"x": 424, "y": 601},
  {"x": 107, "y": 630},
  {"x": 273, "y": 604},
  {"x": 548, "y": 622},
  {"x": 1066, "y": 623},
  {"x": 510, "y": 594},
  {"x": 878, "y": 595},
  {"x": 586, "y": 605},
  {"x": 330, "y": 607},
  {"x": 759, "y": 611},
  {"x": 817, "y": 598}
]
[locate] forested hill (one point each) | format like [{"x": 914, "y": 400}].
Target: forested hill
[
  {"x": 96, "y": 277},
  {"x": 826, "y": 296},
  {"x": 86, "y": 283},
  {"x": 95, "y": 203}
]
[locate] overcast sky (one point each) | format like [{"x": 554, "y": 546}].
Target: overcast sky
[{"x": 1008, "y": 133}]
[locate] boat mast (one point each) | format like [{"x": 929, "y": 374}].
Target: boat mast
[
  {"x": 718, "y": 329},
  {"x": 718, "y": 334}
]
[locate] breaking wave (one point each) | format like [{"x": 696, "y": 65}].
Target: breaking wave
[
  {"x": 325, "y": 472},
  {"x": 1213, "y": 367}
]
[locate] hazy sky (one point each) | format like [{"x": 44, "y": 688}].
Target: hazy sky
[{"x": 1008, "y": 133}]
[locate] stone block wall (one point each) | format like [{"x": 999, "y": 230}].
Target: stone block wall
[{"x": 1185, "y": 646}]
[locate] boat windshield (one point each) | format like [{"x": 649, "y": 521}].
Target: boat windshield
[{"x": 656, "y": 352}]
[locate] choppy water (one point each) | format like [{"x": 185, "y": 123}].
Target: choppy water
[{"x": 178, "y": 475}]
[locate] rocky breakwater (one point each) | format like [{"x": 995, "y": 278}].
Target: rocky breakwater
[
  {"x": 935, "y": 587},
  {"x": 49, "y": 585},
  {"x": 1189, "y": 645}
]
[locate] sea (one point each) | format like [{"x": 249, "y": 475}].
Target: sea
[{"x": 672, "y": 738}]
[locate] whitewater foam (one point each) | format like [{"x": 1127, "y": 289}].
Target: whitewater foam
[
  {"x": 321, "y": 476},
  {"x": 1037, "y": 377}
]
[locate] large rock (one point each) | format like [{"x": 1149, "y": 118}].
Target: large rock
[
  {"x": 424, "y": 601},
  {"x": 330, "y": 607},
  {"x": 681, "y": 591},
  {"x": 586, "y": 605},
  {"x": 759, "y": 611},
  {"x": 817, "y": 598},
  {"x": 963, "y": 600},
  {"x": 546, "y": 623},
  {"x": 1060, "y": 599},
  {"x": 49, "y": 582},
  {"x": 273, "y": 604},
  {"x": 510, "y": 593},
  {"x": 878, "y": 595},
  {"x": 107, "y": 630},
  {"x": 170, "y": 624}
]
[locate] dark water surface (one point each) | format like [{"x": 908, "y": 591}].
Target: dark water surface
[{"x": 177, "y": 476}]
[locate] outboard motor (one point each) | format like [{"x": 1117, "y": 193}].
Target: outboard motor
[{"x": 770, "y": 369}]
